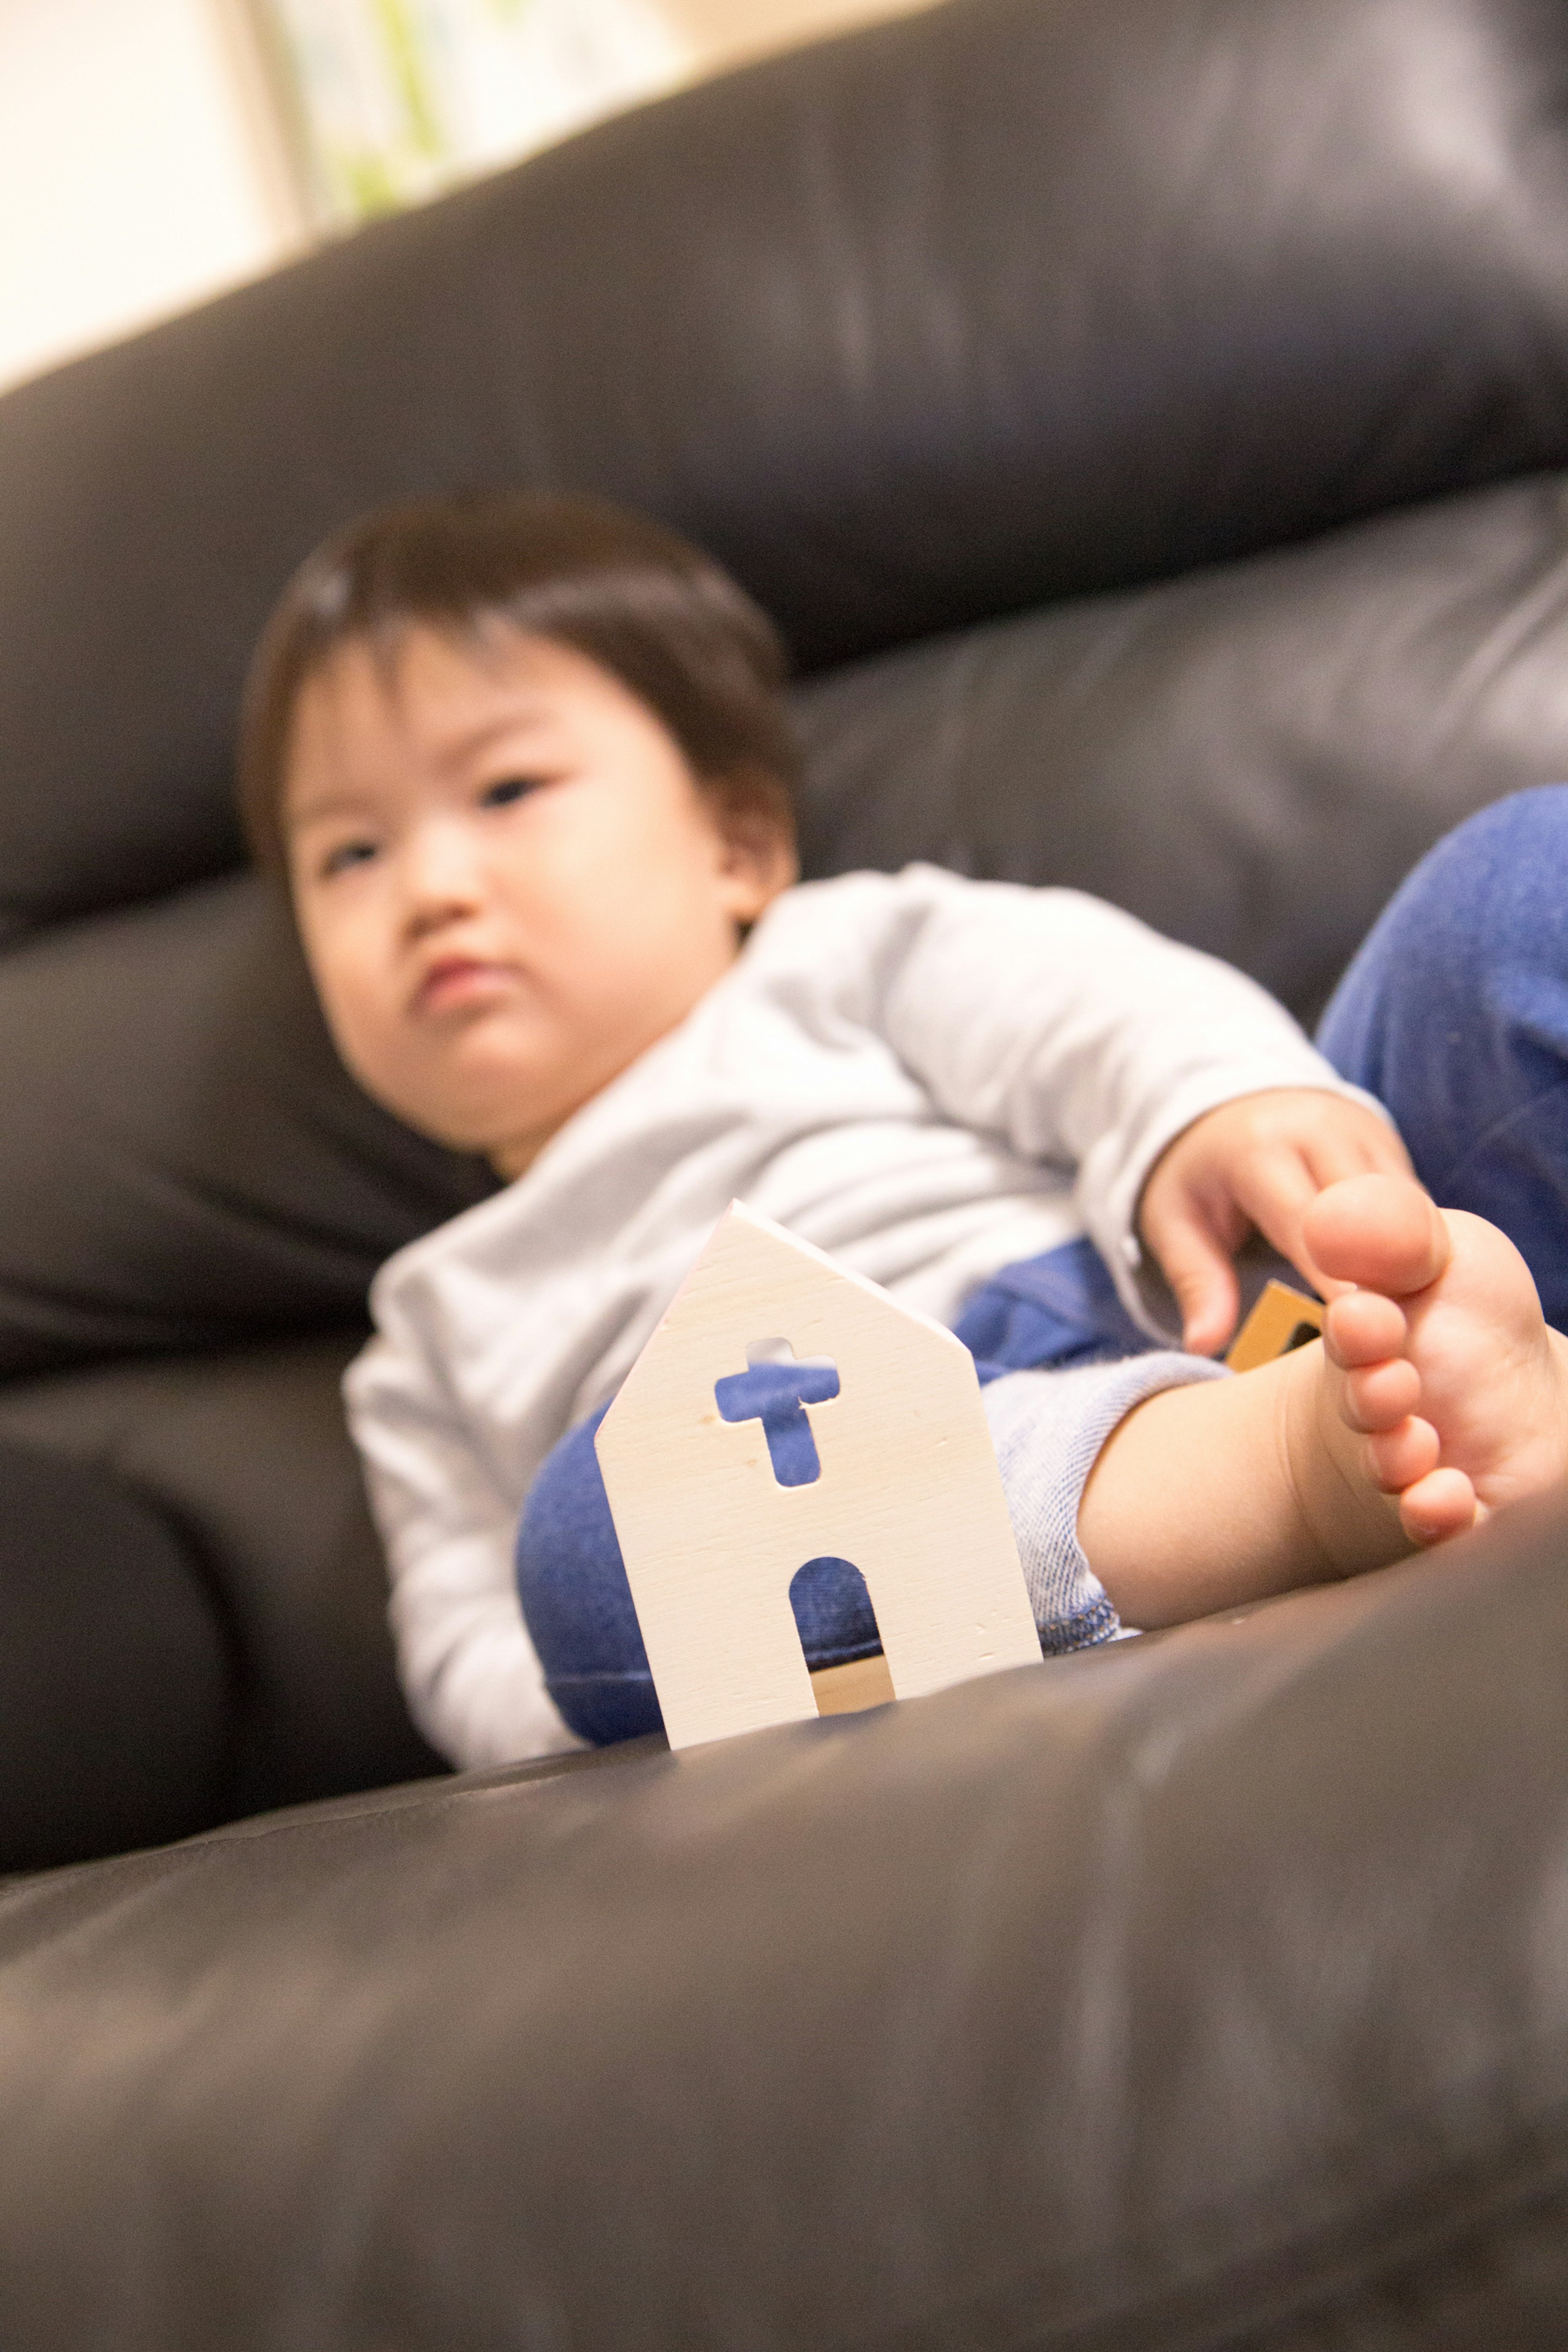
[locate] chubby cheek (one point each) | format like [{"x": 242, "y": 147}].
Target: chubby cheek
[
  {"x": 655, "y": 932},
  {"x": 365, "y": 1051},
  {"x": 383, "y": 1059},
  {"x": 356, "y": 1017}
]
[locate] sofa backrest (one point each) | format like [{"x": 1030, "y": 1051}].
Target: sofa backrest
[{"x": 1142, "y": 415}]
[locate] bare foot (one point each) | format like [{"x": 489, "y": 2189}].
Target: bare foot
[{"x": 1440, "y": 1392}]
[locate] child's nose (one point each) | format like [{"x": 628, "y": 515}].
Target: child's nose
[{"x": 442, "y": 873}]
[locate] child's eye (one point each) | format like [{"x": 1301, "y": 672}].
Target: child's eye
[
  {"x": 506, "y": 789},
  {"x": 343, "y": 855}
]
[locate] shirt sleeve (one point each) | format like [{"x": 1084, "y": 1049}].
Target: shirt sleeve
[
  {"x": 1082, "y": 1037},
  {"x": 472, "y": 1677}
]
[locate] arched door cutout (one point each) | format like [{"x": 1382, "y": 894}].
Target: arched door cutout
[{"x": 831, "y": 1603}]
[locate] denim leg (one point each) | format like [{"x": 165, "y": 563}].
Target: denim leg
[
  {"x": 576, "y": 1603},
  {"x": 1050, "y": 1313},
  {"x": 1455, "y": 1014}
]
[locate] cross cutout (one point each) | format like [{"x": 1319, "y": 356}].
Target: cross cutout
[{"x": 775, "y": 1389}]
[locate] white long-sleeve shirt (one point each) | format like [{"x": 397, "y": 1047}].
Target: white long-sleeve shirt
[{"x": 928, "y": 1077}]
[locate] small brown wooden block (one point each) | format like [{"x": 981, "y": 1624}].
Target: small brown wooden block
[{"x": 1283, "y": 1319}]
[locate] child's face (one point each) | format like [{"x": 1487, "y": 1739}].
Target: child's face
[{"x": 508, "y": 883}]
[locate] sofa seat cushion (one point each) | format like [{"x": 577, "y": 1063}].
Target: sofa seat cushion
[{"x": 1211, "y": 1989}]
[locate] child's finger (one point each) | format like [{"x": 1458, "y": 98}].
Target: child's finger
[
  {"x": 1368, "y": 1148},
  {"x": 1276, "y": 1193},
  {"x": 1278, "y": 1188},
  {"x": 1198, "y": 1266}
]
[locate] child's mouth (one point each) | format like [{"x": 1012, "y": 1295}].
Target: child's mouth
[{"x": 458, "y": 983}]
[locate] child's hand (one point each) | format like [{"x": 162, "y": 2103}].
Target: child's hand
[{"x": 1257, "y": 1161}]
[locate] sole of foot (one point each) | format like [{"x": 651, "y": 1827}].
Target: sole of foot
[{"x": 1443, "y": 1386}]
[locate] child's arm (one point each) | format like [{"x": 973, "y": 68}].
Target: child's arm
[
  {"x": 1083, "y": 1037},
  {"x": 470, "y": 1674}
]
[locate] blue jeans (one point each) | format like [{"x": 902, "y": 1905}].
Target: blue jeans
[{"x": 1453, "y": 1012}]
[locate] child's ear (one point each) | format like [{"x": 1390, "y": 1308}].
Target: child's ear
[{"x": 759, "y": 858}]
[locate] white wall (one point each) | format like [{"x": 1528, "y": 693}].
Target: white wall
[
  {"x": 133, "y": 178},
  {"x": 727, "y": 30},
  {"x": 140, "y": 173}
]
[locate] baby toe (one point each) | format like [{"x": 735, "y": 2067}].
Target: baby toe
[
  {"x": 1381, "y": 1232},
  {"x": 1438, "y": 1506},
  {"x": 1382, "y": 1396},
  {"x": 1364, "y": 1328},
  {"x": 1399, "y": 1456}
]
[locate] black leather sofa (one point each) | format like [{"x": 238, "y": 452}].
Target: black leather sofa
[{"x": 1149, "y": 419}]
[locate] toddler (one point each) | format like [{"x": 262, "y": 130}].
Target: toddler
[{"x": 525, "y": 767}]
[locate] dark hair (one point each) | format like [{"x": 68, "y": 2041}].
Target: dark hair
[{"x": 653, "y": 610}]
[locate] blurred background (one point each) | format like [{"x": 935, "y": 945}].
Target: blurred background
[{"x": 155, "y": 151}]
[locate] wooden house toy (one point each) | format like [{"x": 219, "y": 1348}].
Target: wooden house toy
[{"x": 906, "y": 1486}]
